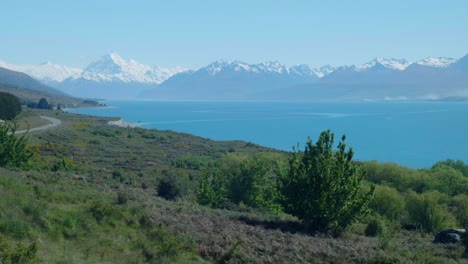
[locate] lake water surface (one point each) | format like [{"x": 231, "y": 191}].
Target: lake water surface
[{"x": 414, "y": 134}]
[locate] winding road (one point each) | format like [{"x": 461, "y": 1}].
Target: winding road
[{"x": 54, "y": 122}]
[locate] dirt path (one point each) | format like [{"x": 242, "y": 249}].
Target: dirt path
[{"x": 54, "y": 122}]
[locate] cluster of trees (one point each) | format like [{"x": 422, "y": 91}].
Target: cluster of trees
[
  {"x": 10, "y": 106},
  {"x": 428, "y": 199},
  {"x": 320, "y": 186},
  {"x": 239, "y": 179},
  {"x": 328, "y": 191},
  {"x": 42, "y": 104}
]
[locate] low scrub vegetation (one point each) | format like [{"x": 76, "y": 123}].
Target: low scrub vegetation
[
  {"x": 99, "y": 194},
  {"x": 14, "y": 151}
]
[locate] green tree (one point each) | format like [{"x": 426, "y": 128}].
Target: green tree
[
  {"x": 388, "y": 202},
  {"x": 43, "y": 104},
  {"x": 10, "y": 106},
  {"x": 253, "y": 182},
  {"x": 448, "y": 180},
  {"x": 456, "y": 164},
  {"x": 244, "y": 179},
  {"x": 322, "y": 187},
  {"x": 460, "y": 203},
  {"x": 426, "y": 213},
  {"x": 211, "y": 189},
  {"x": 13, "y": 148},
  {"x": 173, "y": 185}
]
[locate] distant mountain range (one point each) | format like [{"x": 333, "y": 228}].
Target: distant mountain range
[
  {"x": 234, "y": 81},
  {"x": 112, "y": 77}
]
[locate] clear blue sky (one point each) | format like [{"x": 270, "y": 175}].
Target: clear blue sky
[{"x": 195, "y": 33}]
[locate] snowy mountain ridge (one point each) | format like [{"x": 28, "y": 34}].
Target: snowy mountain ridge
[
  {"x": 273, "y": 67},
  {"x": 113, "y": 77},
  {"x": 112, "y": 67},
  {"x": 437, "y": 62},
  {"x": 394, "y": 64},
  {"x": 47, "y": 72}
]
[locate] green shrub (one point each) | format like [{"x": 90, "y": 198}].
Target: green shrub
[
  {"x": 375, "y": 226},
  {"x": 10, "y": 254},
  {"x": 168, "y": 246},
  {"x": 323, "y": 188},
  {"x": 455, "y": 164},
  {"x": 122, "y": 197},
  {"x": 15, "y": 228},
  {"x": 460, "y": 203},
  {"x": 426, "y": 213},
  {"x": 117, "y": 175},
  {"x": 194, "y": 162},
  {"x": 393, "y": 175},
  {"x": 101, "y": 210},
  {"x": 173, "y": 185},
  {"x": 242, "y": 179},
  {"x": 388, "y": 202},
  {"x": 63, "y": 164},
  {"x": 448, "y": 180},
  {"x": 104, "y": 132},
  {"x": 252, "y": 180},
  {"x": 211, "y": 189},
  {"x": 13, "y": 148}
]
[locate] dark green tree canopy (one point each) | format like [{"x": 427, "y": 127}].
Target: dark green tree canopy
[
  {"x": 322, "y": 187},
  {"x": 10, "y": 106},
  {"x": 42, "y": 104}
]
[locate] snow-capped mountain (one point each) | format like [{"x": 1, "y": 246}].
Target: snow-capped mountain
[
  {"x": 375, "y": 70},
  {"x": 113, "y": 77},
  {"x": 436, "y": 62},
  {"x": 112, "y": 67},
  {"x": 49, "y": 73},
  {"x": 272, "y": 67},
  {"x": 392, "y": 64},
  {"x": 306, "y": 70},
  {"x": 380, "y": 78},
  {"x": 235, "y": 80}
]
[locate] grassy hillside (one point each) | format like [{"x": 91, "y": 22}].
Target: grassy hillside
[
  {"x": 90, "y": 195},
  {"x": 20, "y": 79},
  {"x": 26, "y": 95}
]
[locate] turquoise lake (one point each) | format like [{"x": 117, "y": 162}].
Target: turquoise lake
[{"x": 414, "y": 134}]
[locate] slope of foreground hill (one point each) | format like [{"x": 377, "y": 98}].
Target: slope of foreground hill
[
  {"x": 94, "y": 193},
  {"x": 29, "y": 90}
]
